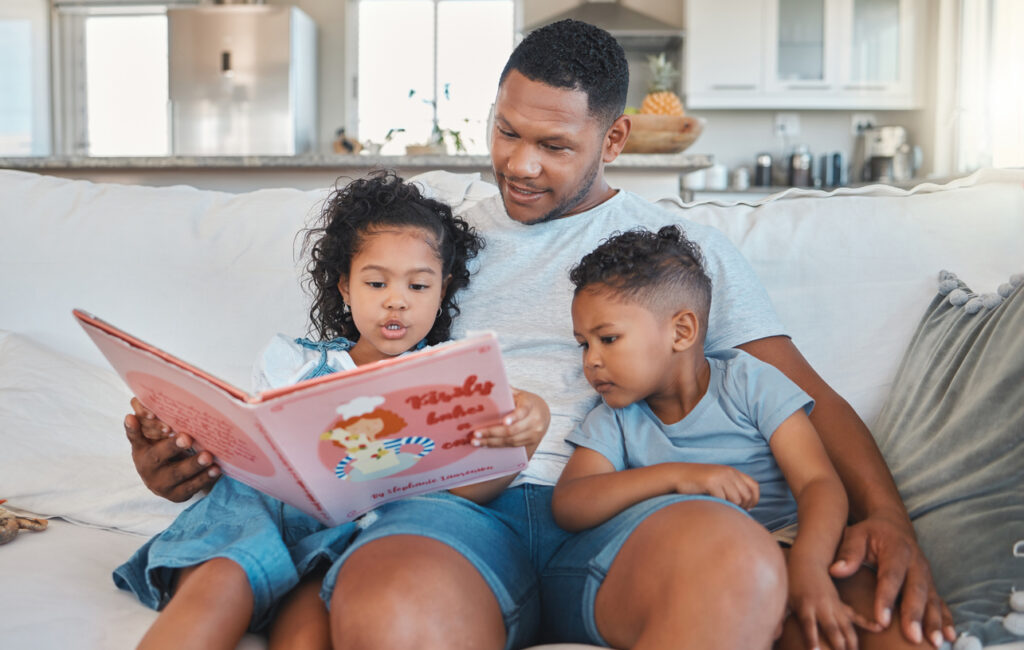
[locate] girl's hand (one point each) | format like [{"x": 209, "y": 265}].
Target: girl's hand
[
  {"x": 719, "y": 481},
  {"x": 523, "y": 427},
  {"x": 815, "y": 603}
]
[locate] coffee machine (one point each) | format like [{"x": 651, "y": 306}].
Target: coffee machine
[{"x": 884, "y": 155}]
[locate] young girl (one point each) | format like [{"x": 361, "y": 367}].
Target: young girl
[
  {"x": 676, "y": 422},
  {"x": 385, "y": 266}
]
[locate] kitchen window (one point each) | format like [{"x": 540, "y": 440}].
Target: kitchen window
[
  {"x": 443, "y": 69},
  {"x": 24, "y": 78},
  {"x": 111, "y": 78}
]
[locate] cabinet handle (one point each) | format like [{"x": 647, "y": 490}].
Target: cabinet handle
[
  {"x": 733, "y": 87},
  {"x": 864, "y": 87}
]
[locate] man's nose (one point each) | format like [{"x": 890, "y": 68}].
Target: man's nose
[{"x": 523, "y": 161}]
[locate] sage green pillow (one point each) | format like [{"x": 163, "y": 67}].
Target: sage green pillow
[{"x": 952, "y": 432}]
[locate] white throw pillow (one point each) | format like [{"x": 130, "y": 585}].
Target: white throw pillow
[{"x": 63, "y": 445}]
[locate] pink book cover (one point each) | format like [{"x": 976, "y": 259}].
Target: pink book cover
[{"x": 340, "y": 445}]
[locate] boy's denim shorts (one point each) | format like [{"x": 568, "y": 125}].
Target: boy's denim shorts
[
  {"x": 274, "y": 543},
  {"x": 545, "y": 579}
]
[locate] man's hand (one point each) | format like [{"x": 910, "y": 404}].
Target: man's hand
[
  {"x": 163, "y": 458},
  {"x": 902, "y": 570}
]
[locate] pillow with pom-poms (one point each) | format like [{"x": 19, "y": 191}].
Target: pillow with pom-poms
[{"x": 952, "y": 432}]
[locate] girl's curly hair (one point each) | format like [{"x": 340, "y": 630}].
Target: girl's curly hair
[
  {"x": 648, "y": 267},
  {"x": 380, "y": 201}
]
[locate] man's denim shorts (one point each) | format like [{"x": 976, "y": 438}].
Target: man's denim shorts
[
  {"x": 544, "y": 578},
  {"x": 274, "y": 543}
]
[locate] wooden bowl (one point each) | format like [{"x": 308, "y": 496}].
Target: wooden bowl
[{"x": 662, "y": 133}]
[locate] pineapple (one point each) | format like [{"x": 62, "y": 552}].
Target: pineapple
[{"x": 660, "y": 99}]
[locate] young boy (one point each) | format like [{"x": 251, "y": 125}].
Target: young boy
[{"x": 674, "y": 421}]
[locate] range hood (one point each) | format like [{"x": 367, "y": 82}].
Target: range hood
[{"x": 632, "y": 28}]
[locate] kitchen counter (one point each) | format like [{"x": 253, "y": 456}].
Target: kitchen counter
[
  {"x": 682, "y": 163},
  {"x": 651, "y": 175}
]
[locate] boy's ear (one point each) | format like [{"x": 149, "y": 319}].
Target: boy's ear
[{"x": 686, "y": 329}]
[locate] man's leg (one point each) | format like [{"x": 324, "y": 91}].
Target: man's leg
[
  {"x": 690, "y": 574},
  {"x": 406, "y": 591},
  {"x": 437, "y": 571}
]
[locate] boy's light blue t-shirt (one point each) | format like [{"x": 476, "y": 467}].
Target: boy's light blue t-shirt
[
  {"x": 521, "y": 289},
  {"x": 732, "y": 424}
]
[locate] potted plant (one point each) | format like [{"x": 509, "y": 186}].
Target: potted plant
[{"x": 442, "y": 140}]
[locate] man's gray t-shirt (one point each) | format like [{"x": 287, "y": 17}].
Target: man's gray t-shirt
[{"x": 520, "y": 289}]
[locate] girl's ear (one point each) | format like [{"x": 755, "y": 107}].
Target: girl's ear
[
  {"x": 686, "y": 328},
  {"x": 343, "y": 288},
  {"x": 444, "y": 286}
]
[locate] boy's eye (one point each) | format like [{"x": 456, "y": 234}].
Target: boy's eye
[{"x": 608, "y": 340}]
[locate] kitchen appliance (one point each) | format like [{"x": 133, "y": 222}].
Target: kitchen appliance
[
  {"x": 242, "y": 80},
  {"x": 884, "y": 155}
]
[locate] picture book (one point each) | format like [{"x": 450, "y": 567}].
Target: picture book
[{"x": 339, "y": 445}]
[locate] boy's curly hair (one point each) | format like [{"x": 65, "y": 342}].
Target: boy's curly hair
[
  {"x": 578, "y": 56},
  {"x": 380, "y": 201},
  {"x": 662, "y": 270}
]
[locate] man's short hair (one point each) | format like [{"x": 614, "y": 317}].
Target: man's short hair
[
  {"x": 661, "y": 271},
  {"x": 578, "y": 56}
]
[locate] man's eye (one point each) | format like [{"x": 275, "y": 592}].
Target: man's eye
[
  {"x": 507, "y": 134},
  {"x": 555, "y": 147}
]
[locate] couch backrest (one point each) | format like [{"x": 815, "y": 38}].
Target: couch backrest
[
  {"x": 210, "y": 276},
  {"x": 851, "y": 272}
]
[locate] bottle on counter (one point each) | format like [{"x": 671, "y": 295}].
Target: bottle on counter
[
  {"x": 800, "y": 163},
  {"x": 763, "y": 170}
]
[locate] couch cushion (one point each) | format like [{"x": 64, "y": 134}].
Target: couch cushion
[
  {"x": 207, "y": 276},
  {"x": 952, "y": 432},
  {"x": 63, "y": 446}
]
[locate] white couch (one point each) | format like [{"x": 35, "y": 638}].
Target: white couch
[{"x": 210, "y": 276}]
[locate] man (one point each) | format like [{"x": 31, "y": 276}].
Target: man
[{"x": 438, "y": 571}]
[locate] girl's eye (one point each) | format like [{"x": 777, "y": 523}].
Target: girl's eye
[
  {"x": 608, "y": 340},
  {"x": 419, "y": 287},
  {"x": 375, "y": 285},
  {"x": 582, "y": 344}
]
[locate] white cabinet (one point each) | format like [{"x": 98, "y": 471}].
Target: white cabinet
[{"x": 842, "y": 54}]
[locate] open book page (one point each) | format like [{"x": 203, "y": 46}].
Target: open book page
[{"x": 336, "y": 446}]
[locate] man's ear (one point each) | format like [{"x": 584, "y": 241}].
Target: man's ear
[
  {"x": 615, "y": 138},
  {"x": 686, "y": 328}
]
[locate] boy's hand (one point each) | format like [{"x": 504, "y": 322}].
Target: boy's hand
[
  {"x": 719, "y": 481},
  {"x": 523, "y": 427},
  {"x": 815, "y": 603}
]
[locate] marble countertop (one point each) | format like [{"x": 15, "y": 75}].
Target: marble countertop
[{"x": 682, "y": 162}]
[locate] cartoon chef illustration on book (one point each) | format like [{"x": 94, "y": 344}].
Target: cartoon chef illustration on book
[{"x": 367, "y": 433}]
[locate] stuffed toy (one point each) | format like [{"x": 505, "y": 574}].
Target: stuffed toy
[{"x": 11, "y": 523}]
